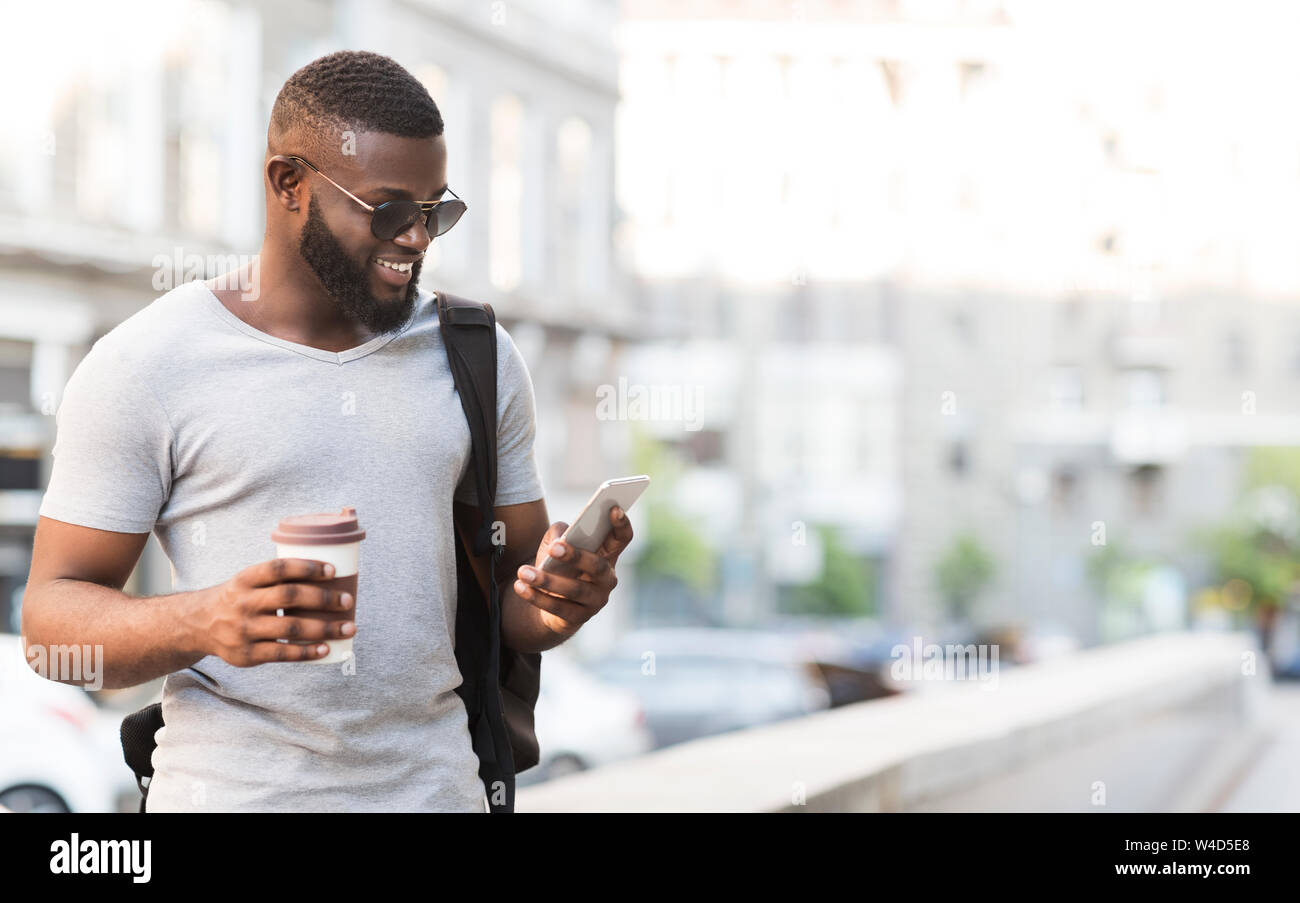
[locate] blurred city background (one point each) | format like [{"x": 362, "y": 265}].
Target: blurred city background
[{"x": 965, "y": 322}]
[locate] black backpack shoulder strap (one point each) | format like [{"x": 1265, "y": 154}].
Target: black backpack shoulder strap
[{"x": 469, "y": 334}]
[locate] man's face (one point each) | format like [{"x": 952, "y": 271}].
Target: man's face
[{"x": 336, "y": 241}]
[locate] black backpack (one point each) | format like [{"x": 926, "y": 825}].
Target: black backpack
[{"x": 499, "y": 686}]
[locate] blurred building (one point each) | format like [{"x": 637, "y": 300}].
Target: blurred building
[
  {"x": 137, "y": 166},
  {"x": 1044, "y": 252},
  {"x": 745, "y": 172},
  {"x": 1099, "y": 296}
]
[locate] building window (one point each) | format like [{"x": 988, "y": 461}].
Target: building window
[
  {"x": 1235, "y": 352},
  {"x": 16, "y": 359},
  {"x": 1065, "y": 489},
  {"x": 958, "y": 458},
  {"x": 505, "y": 193},
  {"x": 200, "y": 127},
  {"x": 570, "y": 231},
  {"x": 200, "y": 181},
  {"x": 102, "y": 155},
  {"x": 1144, "y": 389},
  {"x": 796, "y": 314},
  {"x": 963, "y": 324},
  {"x": 1146, "y": 485},
  {"x": 434, "y": 79}
]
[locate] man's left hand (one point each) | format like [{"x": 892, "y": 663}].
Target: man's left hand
[{"x": 570, "y": 595}]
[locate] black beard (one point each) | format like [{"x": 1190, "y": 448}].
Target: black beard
[{"x": 348, "y": 283}]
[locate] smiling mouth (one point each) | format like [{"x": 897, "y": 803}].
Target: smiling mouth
[{"x": 393, "y": 265}]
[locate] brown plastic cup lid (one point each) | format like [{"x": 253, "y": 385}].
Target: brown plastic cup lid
[{"x": 319, "y": 529}]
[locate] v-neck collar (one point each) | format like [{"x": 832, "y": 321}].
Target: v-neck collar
[{"x": 330, "y": 357}]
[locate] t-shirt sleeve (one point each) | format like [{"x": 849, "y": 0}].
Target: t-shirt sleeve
[
  {"x": 112, "y": 452},
  {"x": 518, "y": 480}
]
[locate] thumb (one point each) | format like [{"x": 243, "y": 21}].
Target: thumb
[{"x": 553, "y": 532}]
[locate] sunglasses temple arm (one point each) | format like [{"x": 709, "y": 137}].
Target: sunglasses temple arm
[
  {"x": 369, "y": 209},
  {"x": 335, "y": 184}
]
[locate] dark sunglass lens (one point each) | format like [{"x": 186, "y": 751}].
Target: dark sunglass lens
[
  {"x": 446, "y": 216},
  {"x": 392, "y": 218}
]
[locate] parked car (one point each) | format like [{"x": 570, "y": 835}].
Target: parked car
[
  {"x": 852, "y": 655},
  {"x": 698, "y": 681},
  {"x": 52, "y": 743},
  {"x": 582, "y": 722}
]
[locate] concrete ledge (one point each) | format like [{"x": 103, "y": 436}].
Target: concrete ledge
[{"x": 908, "y": 751}]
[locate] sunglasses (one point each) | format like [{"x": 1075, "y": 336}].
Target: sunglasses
[{"x": 391, "y": 218}]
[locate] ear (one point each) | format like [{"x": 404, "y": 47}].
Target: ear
[{"x": 285, "y": 180}]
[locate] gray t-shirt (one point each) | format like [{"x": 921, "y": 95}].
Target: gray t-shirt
[{"x": 188, "y": 422}]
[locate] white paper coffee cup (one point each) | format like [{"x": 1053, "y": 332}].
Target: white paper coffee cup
[{"x": 331, "y": 538}]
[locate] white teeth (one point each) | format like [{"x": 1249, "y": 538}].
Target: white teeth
[{"x": 400, "y": 267}]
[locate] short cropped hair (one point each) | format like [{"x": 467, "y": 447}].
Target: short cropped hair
[{"x": 349, "y": 90}]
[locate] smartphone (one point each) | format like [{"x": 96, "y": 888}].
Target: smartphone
[{"x": 592, "y": 526}]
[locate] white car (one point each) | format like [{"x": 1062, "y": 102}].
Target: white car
[
  {"x": 582, "y": 722},
  {"x": 54, "y": 750}
]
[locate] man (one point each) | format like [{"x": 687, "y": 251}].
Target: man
[{"x": 214, "y": 412}]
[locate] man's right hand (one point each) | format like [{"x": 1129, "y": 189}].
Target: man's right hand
[{"x": 237, "y": 619}]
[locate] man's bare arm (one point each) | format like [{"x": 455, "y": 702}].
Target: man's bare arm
[
  {"x": 524, "y": 526},
  {"x": 541, "y": 609},
  {"x": 74, "y": 597}
]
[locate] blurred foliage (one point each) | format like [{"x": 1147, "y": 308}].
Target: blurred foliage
[
  {"x": 962, "y": 573},
  {"x": 1121, "y": 580},
  {"x": 1118, "y": 576},
  {"x": 1253, "y": 556},
  {"x": 1255, "y": 552},
  {"x": 672, "y": 549},
  {"x": 845, "y": 586},
  {"x": 1273, "y": 466}
]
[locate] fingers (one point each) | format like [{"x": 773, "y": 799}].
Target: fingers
[
  {"x": 298, "y": 630},
  {"x": 579, "y": 591},
  {"x": 262, "y": 653},
  {"x": 580, "y": 564},
  {"x": 566, "y": 609},
  {"x": 619, "y": 537},
  {"x": 552, "y": 535},
  {"x": 278, "y": 570},
  {"x": 303, "y": 596},
  {"x": 275, "y": 611},
  {"x": 553, "y": 532}
]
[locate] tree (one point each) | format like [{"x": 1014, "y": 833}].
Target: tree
[
  {"x": 962, "y": 573},
  {"x": 673, "y": 553},
  {"x": 1121, "y": 580},
  {"x": 1118, "y": 576},
  {"x": 1255, "y": 553},
  {"x": 845, "y": 586}
]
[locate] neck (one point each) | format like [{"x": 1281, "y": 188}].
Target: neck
[{"x": 286, "y": 300}]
